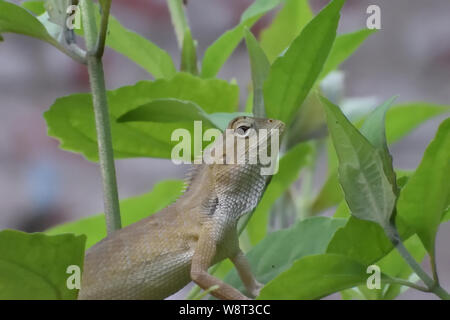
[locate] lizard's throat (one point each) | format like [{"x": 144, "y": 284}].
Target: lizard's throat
[{"x": 239, "y": 188}]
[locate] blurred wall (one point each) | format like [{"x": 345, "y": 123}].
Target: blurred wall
[{"x": 42, "y": 185}]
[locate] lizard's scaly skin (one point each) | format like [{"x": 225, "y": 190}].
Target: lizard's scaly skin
[{"x": 153, "y": 258}]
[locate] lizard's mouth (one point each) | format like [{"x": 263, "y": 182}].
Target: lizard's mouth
[{"x": 281, "y": 126}]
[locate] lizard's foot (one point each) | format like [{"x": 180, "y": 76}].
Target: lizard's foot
[{"x": 256, "y": 289}]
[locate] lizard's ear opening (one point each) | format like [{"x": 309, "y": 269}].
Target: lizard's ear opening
[{"x": 242, "y": 131}]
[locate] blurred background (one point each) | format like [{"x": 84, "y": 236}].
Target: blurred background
[{"x": 42, "y": 185}]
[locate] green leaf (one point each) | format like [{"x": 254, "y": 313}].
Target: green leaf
[
  {"x": 361, "y": 174},
  {"x": 309, "y": 122},
  {"x": 400, "y": 120},
  {"x": 166, "y": 110},
  {"x": 16, "y": 19},
  {"x": 344, "y": 46},
  {"x": 446, "y": 215},
  {"x": 374, "y": 130},
  {"x": 71, "y": 118},
  {"x": 35, "y": 6},
  {"x": 132, "y": 210},
  {"x": 189, "y": 54},
  {"x": 260, "y": 69},
  {"x": 218, "y": 53},
  {"x": 174, "y": 110},
  {"x": 222, "y": 119},
  {"x": 285, "y": 27},
  {"x": 33, "y": 266},
  {"x": 425, "y": 197},
  {"x": 292, "y": 75},
  {"x": 138, "y": 49},
  {"x": 403, "y": 177},
  {"x": 144, "y": 53},
  {"x": 314, "y": 277},
  {"x": 258, "y": 8},
  {"x": 352, "y": 294},
  {"x": 342, "y": 210},
  {"x": 330, "y": 194},
  {"x": 178, "y": 20},
  {"x": 249, "y": 102},
  {"x": 373, "y": 127},
  {"x": 276, "y": 252},
  {"x": 361, "y": 240},
  {"x": 289, "y": 168}
]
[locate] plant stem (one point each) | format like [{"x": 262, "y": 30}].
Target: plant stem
[
  {"x": 432, "y": 286},
  {"x": 100, "y": 102}
]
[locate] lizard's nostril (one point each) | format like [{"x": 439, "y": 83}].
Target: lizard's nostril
[{"x": 270, "y": 120}]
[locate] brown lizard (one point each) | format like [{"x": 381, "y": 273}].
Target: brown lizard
[{"x": 157, "y": 256}]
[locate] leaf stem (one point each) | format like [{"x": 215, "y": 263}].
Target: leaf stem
[
  {"x": 72, "y": 50},
  {"x": 432, "y": 286},
  {"x": 434, "y": 266},
  {"x": 100, "y": 102},
  {"x": 406, "y": 284}
]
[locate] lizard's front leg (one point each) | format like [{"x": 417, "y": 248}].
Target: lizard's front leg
[
  {"x": 245, "y": 273},
  {"x": 203, "y": 257}
]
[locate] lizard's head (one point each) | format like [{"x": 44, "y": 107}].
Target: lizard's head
[
  {"x": 254, "y": 138},
  {"x": 254, "y": 141},
  {"x": 241, "y": 125},
  {"x": 250, "y": 156}
]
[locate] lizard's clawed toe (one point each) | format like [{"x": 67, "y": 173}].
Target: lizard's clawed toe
[{"x": 254, "y": 292}]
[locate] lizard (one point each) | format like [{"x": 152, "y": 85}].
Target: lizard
[{"x": 159, "y": 255}]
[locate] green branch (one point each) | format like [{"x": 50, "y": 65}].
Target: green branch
[{"x": 95, "y": 47}]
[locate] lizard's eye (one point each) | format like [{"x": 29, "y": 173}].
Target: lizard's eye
[{"x": 243, "y": 131}]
